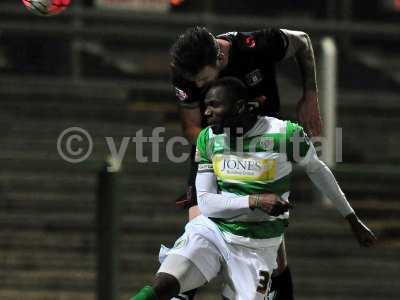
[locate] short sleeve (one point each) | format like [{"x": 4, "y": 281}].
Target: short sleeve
[
  {"x": 271, "y": 43},
  {"x": 297, "y": 142}
]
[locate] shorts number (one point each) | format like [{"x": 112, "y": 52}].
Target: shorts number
[{"x": 263, "y": 283}]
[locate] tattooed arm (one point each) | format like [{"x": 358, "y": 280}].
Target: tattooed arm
[{"x": 300, "y": 47}]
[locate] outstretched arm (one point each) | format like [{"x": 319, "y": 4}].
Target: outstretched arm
[
  {"x": 323, "y": 178},
  {"x": 300, "y": 47}
]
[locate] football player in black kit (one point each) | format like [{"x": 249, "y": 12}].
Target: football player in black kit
[{"x": 198, "y": 57}]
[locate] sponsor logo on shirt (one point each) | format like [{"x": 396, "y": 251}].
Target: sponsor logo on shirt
[
  {"x": 241, "y": 165},
  {"x": 244, "y": 169},
  {"x": 253, "y": 78},
  {"x": 181, "y": 95}
]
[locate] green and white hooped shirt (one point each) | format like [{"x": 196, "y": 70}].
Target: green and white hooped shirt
[{"x": 260, "y": 162}]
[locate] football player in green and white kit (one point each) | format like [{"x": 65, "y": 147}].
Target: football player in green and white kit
[{"x": 245, "y": 162}]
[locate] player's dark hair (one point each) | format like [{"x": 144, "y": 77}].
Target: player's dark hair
[
  {"x": 193, "y": 50},
  {"x": 234, "y": 88}
]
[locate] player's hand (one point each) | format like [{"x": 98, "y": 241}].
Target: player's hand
[
  {"x": 308, "y": 114},
  {"x": 362, "y": 233},
  {"x": 272, "y": 204}
]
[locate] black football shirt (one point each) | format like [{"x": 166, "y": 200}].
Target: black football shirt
[{"x": 252, "y": 58}]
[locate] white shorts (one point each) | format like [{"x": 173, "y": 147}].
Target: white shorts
[{"x": 246, "y": 271}]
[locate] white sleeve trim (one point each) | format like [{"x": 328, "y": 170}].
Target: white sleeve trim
[
  {"x": 212, "y": 204},
  {"x": 325, "y": 181}
]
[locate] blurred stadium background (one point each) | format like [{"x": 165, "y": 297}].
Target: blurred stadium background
[{"x": 103, "y": 67}]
